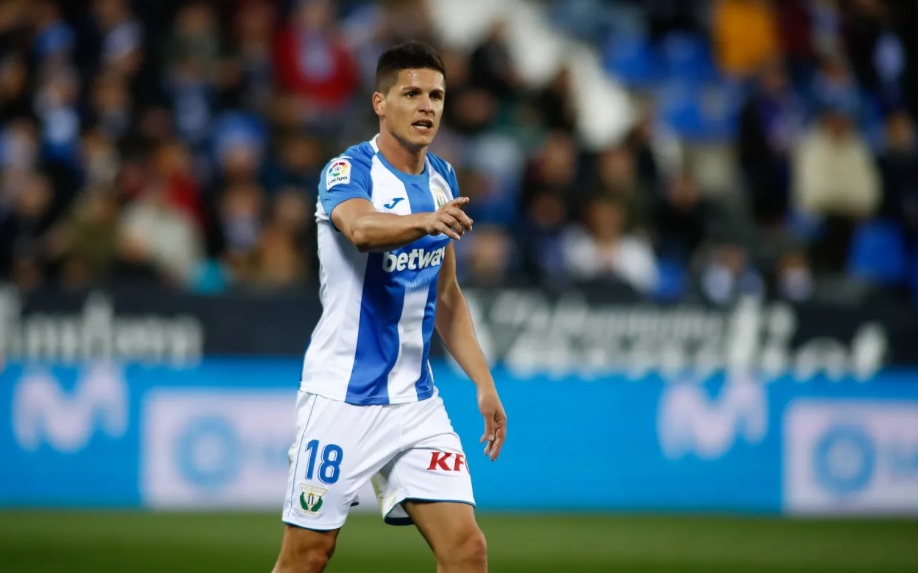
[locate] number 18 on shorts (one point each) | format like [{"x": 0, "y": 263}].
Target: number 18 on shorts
[{"x": 408, "y": 451}]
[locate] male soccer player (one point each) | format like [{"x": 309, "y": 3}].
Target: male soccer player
[{"x": 368, "y": 409}]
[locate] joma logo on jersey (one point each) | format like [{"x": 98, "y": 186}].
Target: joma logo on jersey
[
  {"x": 446, "y": 461},
  {"x": 414, "y": 260}
]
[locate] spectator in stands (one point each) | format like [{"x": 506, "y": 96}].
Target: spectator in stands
[
  {"x": 794, "y": 277},
  {"x": 373, "y": 26},
  {"x": 111, "y": 108},
  {"x": 834, "y": 86},
  {"x": 100, "y": 160},
  {"x": 86, "y": 242},
  {"x": 553, "y": 168},
  {"x": 297, "y": 163},
  {"x": 745, "y": 35},
  {"x": 727, "y": 274},
  {"x": 253, "y": 27},
  {"x": 293, "y": 212},
  {"x": 115, "y": 40},
  {"x": 277, "y": 263},
  {"x": 14, "y": 95},
  {"x": 157, "y": 240},
  {"x": 18, "y": 154},
  {"x": 836, "y": 180},
  {"x": 874, "y": 49},
  {"x": 541, "y": 236},
  {"x": 826, "y": 24},
  {"x": 195, "y": 41},
  {"x": 487, "y": 259},
  {"x": 556, "y": 102},
  {"x": 601, "y": 251},
  {"x": 771, "y": 121},
  {"x": 795, "y": 30},
  {"x": 683, "y": 218},
  {"x": 172, "y": 163},
  {"x": 616, "y": 177},
  {"x": 313, "y": 61},
  {"x": 899, "y": 168},
  {"x": 492, "y": 67},
  {"x": 56, "y": 106},
  {"x": 667, "y": 16},
  {"x": 237, "y": 226},
  {"x": 24, "y": 252}
]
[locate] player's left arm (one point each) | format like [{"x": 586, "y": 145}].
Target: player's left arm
[{"x": 454, "y": 325}]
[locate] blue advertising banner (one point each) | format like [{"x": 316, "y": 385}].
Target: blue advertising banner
[{"x": 216, "y": 435}]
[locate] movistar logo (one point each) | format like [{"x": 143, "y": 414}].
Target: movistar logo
[
  {"x": 414, "y": 260},
  {"x": 394, "y": 203}
]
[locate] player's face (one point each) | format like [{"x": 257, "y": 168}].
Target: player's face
[{"x": 413, "y": 106}]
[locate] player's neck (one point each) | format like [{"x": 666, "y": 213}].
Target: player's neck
[{"x": 400, "y": 156}]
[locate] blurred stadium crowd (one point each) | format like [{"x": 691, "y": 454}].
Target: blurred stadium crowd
[{"x": 770, "y": 148}]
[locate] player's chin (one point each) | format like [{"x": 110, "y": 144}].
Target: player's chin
[{"x": 423, "y": 136}]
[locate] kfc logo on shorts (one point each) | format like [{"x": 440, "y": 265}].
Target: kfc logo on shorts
[{"x": 446, "y": 461}]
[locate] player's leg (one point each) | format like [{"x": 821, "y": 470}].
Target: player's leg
[
  {"x": 452, "y": 532},
  {"x": 305, "y": 550},
  {"x": 429, "y": 484},
  {"x": 338, "y": 447}
]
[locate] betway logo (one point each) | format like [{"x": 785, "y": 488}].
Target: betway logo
[{"x": 415, "y": 260}]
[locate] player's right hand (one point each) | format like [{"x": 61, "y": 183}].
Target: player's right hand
[{"x": 450, "y": 219}]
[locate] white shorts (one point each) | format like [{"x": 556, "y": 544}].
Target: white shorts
[{"x": 408, "y": 451}]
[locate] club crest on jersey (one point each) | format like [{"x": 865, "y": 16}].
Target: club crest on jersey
[
  {"x": 311, "y": 500},
  {"x": 439, "y": 196},
  {"x": 338, "y": 172}
]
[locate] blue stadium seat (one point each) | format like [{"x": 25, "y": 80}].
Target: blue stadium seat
[
  {"x": 878, "y": 253},
  {"x": 633, "y": 60},
  {"x": 700, "y": 112},
  {"x": 688, "y": 58},
  {"x": 673, "y": 280}
]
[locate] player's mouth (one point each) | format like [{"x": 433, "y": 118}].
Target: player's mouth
[{"x": 423, "y": 125}]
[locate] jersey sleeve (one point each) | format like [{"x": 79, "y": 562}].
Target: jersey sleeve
[{"x": 343, "y": 179}]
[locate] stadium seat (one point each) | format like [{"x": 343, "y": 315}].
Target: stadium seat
[
  {"x": 878, "y": 253},
  {"x": 687, "y": 58},
  {"x": 633, "y": 61},
  {"x": 672, "y": 280},
  {"x": 700, "y": 112}
]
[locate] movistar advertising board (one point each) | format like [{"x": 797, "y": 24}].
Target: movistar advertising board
[{"x": 216, "y": 434}]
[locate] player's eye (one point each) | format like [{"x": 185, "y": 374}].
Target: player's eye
[{"x": 411, "y": 94}]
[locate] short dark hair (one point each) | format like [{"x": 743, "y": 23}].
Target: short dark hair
[{"x": 407, "y": 56}]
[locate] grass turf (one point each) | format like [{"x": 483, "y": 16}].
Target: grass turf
[{"x": 84, "y": 542}]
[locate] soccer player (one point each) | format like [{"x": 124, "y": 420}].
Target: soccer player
[{"x": 367, "y": 409}]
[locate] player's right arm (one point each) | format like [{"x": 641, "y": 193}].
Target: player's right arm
[{"x": 371, "y": 230}]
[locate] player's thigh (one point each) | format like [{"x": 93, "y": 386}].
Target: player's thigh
[
  {"x": 338, "y": 448},
  {"x": 449, "y": 527},
  {"x": 432, "y": 467},
  {"x": 305, "y": 550}
]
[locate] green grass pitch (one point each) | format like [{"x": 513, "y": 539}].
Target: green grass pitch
[{"x": 113, "y": 542}]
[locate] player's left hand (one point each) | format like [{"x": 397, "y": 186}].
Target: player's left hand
[{"x": 495, "y": 420}]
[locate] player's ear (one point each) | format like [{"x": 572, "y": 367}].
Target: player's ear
[{"x": 379, "y": 104}]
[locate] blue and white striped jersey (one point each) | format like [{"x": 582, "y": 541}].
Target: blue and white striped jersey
[{"x": 371, "y": 344}]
